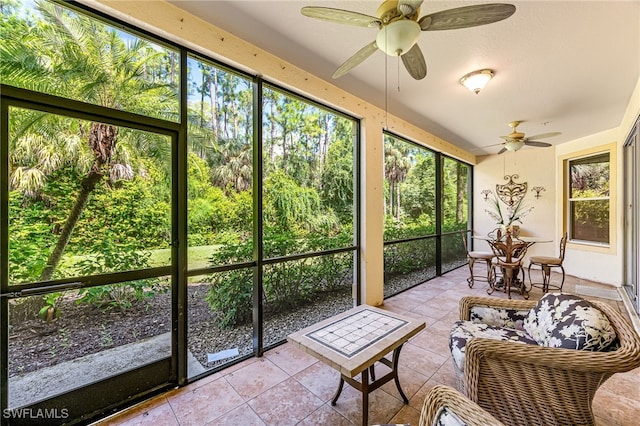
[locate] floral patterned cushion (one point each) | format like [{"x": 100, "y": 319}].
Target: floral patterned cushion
[
  {"x": 447, "y": 417},
  {"x": 463, "y": 331},
  {"x": 570, "y": 322},
  {"x": 497, "y": 317}
]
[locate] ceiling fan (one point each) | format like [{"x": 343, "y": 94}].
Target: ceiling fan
[
  {"x": 516, "y": 140},
  {"x": 399, "y": 28}
]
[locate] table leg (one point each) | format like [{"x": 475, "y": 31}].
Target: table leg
[
  {"x": 368, "y": 383},
  {"x": 365, "y": 397},
  {"x": 338, "y": 392},
  {"x": 396, "y": 358}
]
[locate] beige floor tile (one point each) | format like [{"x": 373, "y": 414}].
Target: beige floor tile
[
  {"x": 241, "y": 416},
  {"x": 255, "y": 378},
  {"x": 325, "y": 415},
  {"x": 290, "y": 359},
  {"x": 285, "y": 404},
  {"x": 406, "y": 415},
  {"x": 201, "y": 405},
  {"x": 320, "y": 379},
  {"x": 160, "y": 415},
  {"x": 287, "y": 386},
  {"x": 382, "y": 406}
]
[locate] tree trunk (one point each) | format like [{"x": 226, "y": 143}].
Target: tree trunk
[
  {"x": 398, "y": 201},
  {"x": 87, "y": 186},
  {"x": 460, "y": 191}
]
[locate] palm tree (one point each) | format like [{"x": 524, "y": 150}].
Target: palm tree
[
  {"x": 233, "y": 169},
  {"x": 396, "y": 168},
  {"x": 77, "y": 57}
]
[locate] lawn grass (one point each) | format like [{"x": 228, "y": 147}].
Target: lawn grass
[{"x": 198, "y": 257}]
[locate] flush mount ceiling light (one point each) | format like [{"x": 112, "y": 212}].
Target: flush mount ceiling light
[{"x": 476, "y": 80}]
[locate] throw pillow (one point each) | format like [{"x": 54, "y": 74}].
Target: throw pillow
[{"x": 570, "y": 322}]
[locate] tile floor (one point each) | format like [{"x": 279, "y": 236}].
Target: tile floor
[{"x": 289, "y": 387}]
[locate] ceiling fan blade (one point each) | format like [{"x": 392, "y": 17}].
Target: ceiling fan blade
[
  {"x": 545, "y": 135},
  {"x": 414, "y": 62},
  {"x": 467, "y": 16},
  {"x": 502, "y": 150},
  {"x": 409, "y": 7},
  {"x": 356, "y": 59},
  {"x": 536, "y": 143},
  {"x": 341, "y": 16}
]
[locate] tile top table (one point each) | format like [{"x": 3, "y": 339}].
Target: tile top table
[{"x": 353, "y": 341}]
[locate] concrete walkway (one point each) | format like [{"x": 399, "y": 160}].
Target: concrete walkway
[{"x": 50, "y": 381}]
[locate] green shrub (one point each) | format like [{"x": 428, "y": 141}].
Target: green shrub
[
  {"x": 286, "y": 284},
  {"x": 111, "y": 257}
]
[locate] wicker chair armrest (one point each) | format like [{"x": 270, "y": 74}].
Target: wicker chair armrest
[
  {"x": 469, "y": 412},
  {"x": 528, "y": 384},
  {"x": 521, "y": 356},
  {"x": 468, "y": 302}
]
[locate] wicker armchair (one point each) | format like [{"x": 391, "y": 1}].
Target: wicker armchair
[
  {"x": 524, "y": 384},
  {"x": 441, "y": 399}
]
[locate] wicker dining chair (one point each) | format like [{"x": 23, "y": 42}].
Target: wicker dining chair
[
  {"x": 524, "y": 384},
  {"x": 546, "y": 263},
  {"x": 474, "y": 256},
  {"x": 443, "y": 401}
]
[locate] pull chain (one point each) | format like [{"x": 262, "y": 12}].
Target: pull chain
[{"x": 398, "y": 73}]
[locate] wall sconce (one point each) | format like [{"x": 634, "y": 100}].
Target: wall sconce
[
  {"x": 537, "y": 190},
  {"x": 486, "y": 193}
]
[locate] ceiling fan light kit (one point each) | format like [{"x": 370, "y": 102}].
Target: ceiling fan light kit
[
  {"x": 398, "y": 37},
  {"x": 476, "y": 80},
  {"x": 516, "y": 140},
  {"x": 514, "y": 145},
  {"x": 399, "y": 28}
]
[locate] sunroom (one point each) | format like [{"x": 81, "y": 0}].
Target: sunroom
[{"x": 176, "y": 201}]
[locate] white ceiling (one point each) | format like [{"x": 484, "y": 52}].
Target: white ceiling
[{"x": 560, "y": 66}]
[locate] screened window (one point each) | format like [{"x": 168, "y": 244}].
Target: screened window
[
  {"x": 78, "y": 57},
  {"x": 588, "y": 203}
]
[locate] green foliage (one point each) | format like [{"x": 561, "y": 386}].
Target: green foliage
[
  {"x": 286, "y": 285},
  {"x": 50, "y": 309},
  {"x": 111, "y": 257},
  {"x": 231, "y": 292},
  {"x": 397, "y": 230},
  {"x": 289, "y": 206},
  {"x": 337, "y": 178},
  {"x": 411, "y": 256}
]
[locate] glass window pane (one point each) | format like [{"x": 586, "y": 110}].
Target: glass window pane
[
  {"x": 87, "y": 335},
  {"x": 299, "y": 293},
  {"x": 455, "y": 195},
  {"x": 85, "y": 198},
  {"x": 408, "y": 263},
  {"x": 219, "y": 319},
  {"x": 52, "y": 49},
  {"x": 220, "y": 166},
  {"x": 590, "y": 220},
  {"x": 410, "y": 190},
  {"x": 308, "y": 192},
  {"x": 454, "y": 254},
  {"x": 590, "y": 177}
]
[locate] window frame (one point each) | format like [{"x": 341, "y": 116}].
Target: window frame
[
  {"x": 573, "y": 202},
  {"x": 565, "y": 162}
]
